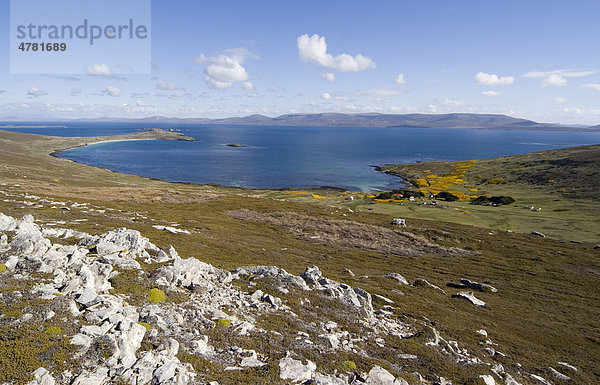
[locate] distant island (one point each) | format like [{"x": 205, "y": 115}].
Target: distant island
[
  {"x": 456, "y": 120},
  {"x": 236, "y": 145}
]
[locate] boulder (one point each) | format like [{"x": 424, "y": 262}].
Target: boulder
[
  {"x": 487, "y": 379},
  {"x": 470, "y": 297},
  {"x": 379, "y": 376},
  {"x": 559, "y": 375},
  {"x": 478, "y": 286},
  {"x": 397, "y": 277},
  {"x": 295, "y": 370},
  {"x": 42, "y": 377}
]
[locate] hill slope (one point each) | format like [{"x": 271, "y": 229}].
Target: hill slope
[{"x": 456, "y": 120}]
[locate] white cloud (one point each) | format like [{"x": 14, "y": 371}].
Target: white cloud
[
  {"x": 326, "y": 96},
  {"x": 254, "y": 95},
  {"x": 490, "y": 93},
  {"x": 99, "y": 70},
  {"x": 138, "y": 95},
  {"x": 400, "y": 79},
  {"x": 165, "y": 85},
  {"x": 557, "y": 77},
  {"x": 554, "y": 80},
  {"x": 328, "y": 76},
  {"x": 592, "y": 86},
  {"x": 225, "y": 69},
  {"x": 314, "y": 49},
  {"x": 453, "y": 103},
  {"x": 379, "y": 92},
  {"x": 36, "y": 92},
  {"x": 559, "y": 99},
  {"x": 576, "y": 111},
  {"x": 76, "y": 91},
  {"x": 493, "y": 79},
  {"x": 112, "y": 91}
]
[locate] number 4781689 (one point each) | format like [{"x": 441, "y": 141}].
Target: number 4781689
[{"x": 44, "y": 47}]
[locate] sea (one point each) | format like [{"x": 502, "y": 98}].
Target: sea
[{"x": 276, "y": 157}]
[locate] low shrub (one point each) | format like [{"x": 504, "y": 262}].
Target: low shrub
[{"x": 156, "y": 295}]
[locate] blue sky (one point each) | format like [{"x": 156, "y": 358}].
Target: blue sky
[{"x": 533, "y": 59}]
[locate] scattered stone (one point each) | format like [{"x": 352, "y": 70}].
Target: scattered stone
[
  {"x": 478, "y": 286},
  {"x": 398, "y": 222},
  {"x": 487, "y": 379},
  {"x": 295, "y": 370},
  {"x": 42, "y": 377},
  {"x": 566, "y": 365},
  {"x": 424, "y": 282},
  {"x": 469, "y": 296},
  {"x": 379, "y": 376},
  {"x": 482, "y": 332},
  {"x": 251, "y": 361},
  {"x": 559, "y": 375},
  {"x": 399, "y": 278},
  {"x": 538, "y": 234},
  {"x": 540, "y": 379},
  {"x": 384, "y": 299},
  {"x": 404, "y": 356}
]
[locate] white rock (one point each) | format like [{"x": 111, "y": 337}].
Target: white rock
[
  {"x": 478, "y": 286},
  {"x": 81, "y": 340},
  {"x": 251, "y": 361},
  {"x": 291, "y": 369},
  {"x": 384, "y": 299},
  {"x": 469, "y": 296},
  {"x": 540, "y": 379},
  {"x": 482, "y": 332},
  {"x": 566, "y": 365},
  {"x": 379, "y": 376},
  {"x": 164, "y": 373},
  {"x": 88, "y": 378},
  {"x": 202, "y": 347},
  {"x": 559, "y": 375},
  {"x": 171, "y": 348},
  {"x": 399, "y": 278},
  {"x": 333, "y": 339},
  {"x": 42, "y": 377},
  {"x": 488, "y": 379},
  {"x": 509, "y": 380},
  {"x": 88, "y": 297},
  {"x": 324, "y": 379}
]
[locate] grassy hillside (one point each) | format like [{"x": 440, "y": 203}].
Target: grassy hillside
[
  {"x": 548, "y": 289},
  {"x": 563, "y": 184}
]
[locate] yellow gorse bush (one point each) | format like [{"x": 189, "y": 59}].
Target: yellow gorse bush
[{"x": 435, "y": 184}]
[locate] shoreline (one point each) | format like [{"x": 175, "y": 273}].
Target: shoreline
[{"x": 57, "y": 152}]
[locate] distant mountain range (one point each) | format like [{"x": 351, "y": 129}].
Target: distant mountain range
[{"x": 459, "y": 120}]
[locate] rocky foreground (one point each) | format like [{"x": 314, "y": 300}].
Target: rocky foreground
[{"x": 116, "y": 309}]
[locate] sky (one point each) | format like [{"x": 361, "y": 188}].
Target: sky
[{"x": 533, "y": 59}]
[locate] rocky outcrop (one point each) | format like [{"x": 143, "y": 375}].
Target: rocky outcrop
[{"x": 116, "y": 337}]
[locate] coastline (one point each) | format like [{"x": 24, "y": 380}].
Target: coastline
[{"x": 56, "y": 153}]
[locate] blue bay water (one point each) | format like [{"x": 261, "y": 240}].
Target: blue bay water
[{"x": 302, "y": 157}]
